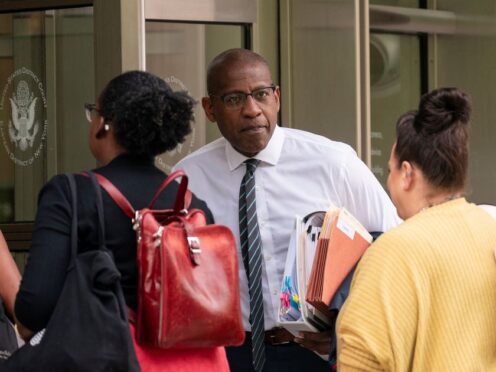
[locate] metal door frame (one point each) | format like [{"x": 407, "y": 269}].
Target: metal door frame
[
  {"x": 235, "y": 12},
  {"x": 12, "y": 6}
]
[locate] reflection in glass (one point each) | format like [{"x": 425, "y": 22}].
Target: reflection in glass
[
  {"x": 46, "y": 73},
  {"x": 468, "y": 62},
  {"x": 179, "y": 53},
  {"x": 395, "y": 89},
  {"x": 323, "y": 67}
]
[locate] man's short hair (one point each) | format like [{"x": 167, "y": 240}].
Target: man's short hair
[{"x": 227, "y": 59}]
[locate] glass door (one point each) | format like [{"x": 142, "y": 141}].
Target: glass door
[
  {"x": 422, "y": 45},
  {"x": 180, "y": 41},
  {"x": 46, "y": 74},
  {"x": 321, "y": 62},
  {"x": 43, "y": 56},
  {"x": 53, "y": 60},
  {"x": 466, "y": 58},
  {"x": 395, "y": 87}
]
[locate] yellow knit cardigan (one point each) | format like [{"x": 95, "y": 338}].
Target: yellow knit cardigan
[{"x": 423, "y": 297}]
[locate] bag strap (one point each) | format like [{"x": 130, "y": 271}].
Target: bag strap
[
  {"x": 183, "y": 196},
  {"x": 74, "y": 224},
  {"x": 74, "y": 229},
  {"x": 116, "y": 195},
  {"x": 182, "y": 193},
  {"x": 99, "y": 209}
]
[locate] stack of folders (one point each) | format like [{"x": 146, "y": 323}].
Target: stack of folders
[
  {"x": 324, "y": 248},
  {"x": 294, "y": 313},
  {"x": 342, "y": 242}
]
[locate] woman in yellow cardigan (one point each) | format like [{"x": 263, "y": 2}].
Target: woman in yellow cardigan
[{"x": 423, "y": 297}]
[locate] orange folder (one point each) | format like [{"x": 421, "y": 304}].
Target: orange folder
[{"x": 342, "y": 242}]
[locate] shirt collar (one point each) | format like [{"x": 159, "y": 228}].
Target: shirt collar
[{"x": 270, "y": 154}]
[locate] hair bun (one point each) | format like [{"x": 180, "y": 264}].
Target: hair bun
[
  {"x": 441, "y": 109},
  {"x": 147, "y": 116}
]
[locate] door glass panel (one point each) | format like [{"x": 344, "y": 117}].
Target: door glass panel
[
  {"x": 467, "y": 60},
  {"x": 395, "y": 89},
  {"x": 323, "y": 69},
  {"x": 46, "y": 74},
  {"x": 179, "y": 53}
]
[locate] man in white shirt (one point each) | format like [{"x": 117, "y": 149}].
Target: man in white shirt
[{"x": 298, "y": 173}]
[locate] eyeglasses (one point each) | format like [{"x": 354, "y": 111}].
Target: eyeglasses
[
  {"x": 237, "y": 100},
  {"x": 89, "y": 110}
]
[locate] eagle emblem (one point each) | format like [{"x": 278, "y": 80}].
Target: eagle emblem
[{"x": 23, "y": 128}]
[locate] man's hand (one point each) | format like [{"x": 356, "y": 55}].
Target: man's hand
[{"x": 319, "y": 342}]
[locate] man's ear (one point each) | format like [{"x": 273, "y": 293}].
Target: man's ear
[
  {"x": 408, "y": 175},
  {"x": 277, "y": 95},
  {"x": 208, "y": 108}
]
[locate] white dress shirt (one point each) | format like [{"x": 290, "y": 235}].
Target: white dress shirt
[{"x": 299, "y": 173}]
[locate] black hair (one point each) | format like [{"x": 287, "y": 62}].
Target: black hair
[
  {"x": 147, "y": 117},
  {"x": 435, "y": 137},
  {"x": 227, "y": 59}
]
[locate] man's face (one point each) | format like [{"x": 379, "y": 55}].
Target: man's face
[{"x": 249, "y": 127}]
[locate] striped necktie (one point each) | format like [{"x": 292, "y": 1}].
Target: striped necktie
[{"x": 251, "y": 249}]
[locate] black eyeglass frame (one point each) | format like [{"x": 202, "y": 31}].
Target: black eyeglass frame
[
  {"x": 90, "y": 106},
  {"x": 245, "y": 95}
]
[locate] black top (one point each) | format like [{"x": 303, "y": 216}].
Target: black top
[{"x": 44, "y": 275}]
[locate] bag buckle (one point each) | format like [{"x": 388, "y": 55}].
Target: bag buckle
[
  {"x": 194, "y": 249},
  {"x": 136, "y": 224},
  {"x": 157, "y": 237}
]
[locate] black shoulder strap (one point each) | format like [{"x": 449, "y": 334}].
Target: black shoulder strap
[
  {"x": 99, "y": 209},
  {"x": 74, "y": 227}
]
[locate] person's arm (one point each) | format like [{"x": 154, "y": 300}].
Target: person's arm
[
  {"x": 200, "y": 204},
  {"x": 361, "y": 193},
  {"x": 318, "y": 342},
  {"x": 10, "y": 277},
  {"x": 49, "y": 255},
  {"x": 377, "y": 325}
]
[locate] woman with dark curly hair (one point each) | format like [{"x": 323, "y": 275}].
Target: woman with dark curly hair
[
  {"x": 136, "y": 117},
  {"x": 424, "y": 294}
]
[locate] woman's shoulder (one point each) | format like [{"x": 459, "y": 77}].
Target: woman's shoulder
[
  {"x": 56, "y": 187},
  {"x": 400, "y": 244},
  {"x": 491, "y": 209},
  {"x": 60, "y": 182}
]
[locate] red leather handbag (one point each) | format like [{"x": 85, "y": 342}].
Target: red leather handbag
[{"x": 188, "y": 286}]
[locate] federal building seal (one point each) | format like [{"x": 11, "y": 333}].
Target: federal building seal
[{"x": 23, "y": 123}]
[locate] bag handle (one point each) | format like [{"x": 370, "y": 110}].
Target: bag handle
[{"x": 183, "y": 196}]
